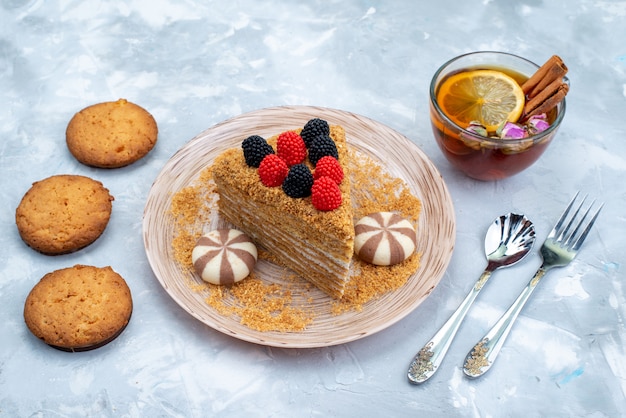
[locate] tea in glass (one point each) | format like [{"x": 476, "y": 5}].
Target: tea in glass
[{"x": 482, "y": 154}]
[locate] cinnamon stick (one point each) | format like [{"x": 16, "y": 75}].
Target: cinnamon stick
[
  {"x": 547, "y": 92},
  {"x": 551, "y": 70},
  {"x": 546, "y": 99}
]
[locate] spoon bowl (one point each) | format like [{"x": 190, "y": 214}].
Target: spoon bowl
[{"x": 508, "y": 240}]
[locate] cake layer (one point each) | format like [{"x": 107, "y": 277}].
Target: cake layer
[{"x": 317, "y": 245}]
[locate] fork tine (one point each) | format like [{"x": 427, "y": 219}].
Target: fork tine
[
  {"x": 564, "y": 237},
  {"x": 557, "y": 228},
  {"x": 582, "y": 237},
  {"x": 567, "y": 242}
]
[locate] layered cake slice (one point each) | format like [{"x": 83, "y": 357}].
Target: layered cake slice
[{"x": 275, "y": 192}]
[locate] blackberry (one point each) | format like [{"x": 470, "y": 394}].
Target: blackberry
[
  {"x": 321, "y": 146},
  {"x": 314, "y": 127},
  {"x": 255, "y": 148},
  {"x": 298, "y": 182}
]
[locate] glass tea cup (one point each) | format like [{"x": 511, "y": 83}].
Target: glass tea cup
[{"x": 481, "y": 157}]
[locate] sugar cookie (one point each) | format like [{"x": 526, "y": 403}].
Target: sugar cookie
[
  {"x": 78, "y": 308},
  {"x": 111, "y": 134},
  {"x": 63, "y": 213}
]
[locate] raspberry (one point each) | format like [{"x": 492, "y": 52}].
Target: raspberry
[
  {"x": 272, "y": 171},
  {"x": 290, "y": 147},
  {"x": 255, "y": 149},
  {"x": 325, "y": 194},
  {"x": 322, "y": 146},
  {"x": 328, "y": 166},
  {"x": 314, "y": 127},
  {"x": 298, "y": 182}
]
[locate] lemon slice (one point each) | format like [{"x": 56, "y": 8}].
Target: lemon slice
[{"x": 488, "y": 96}]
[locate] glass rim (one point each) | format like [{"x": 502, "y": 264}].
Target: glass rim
[{"x": 495, "y": 141}]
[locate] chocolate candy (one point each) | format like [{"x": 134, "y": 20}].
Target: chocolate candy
[
  {"x": 224, "y": 256},
  {"x": 384, "y": 239}
]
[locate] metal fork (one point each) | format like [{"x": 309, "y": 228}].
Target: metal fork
[{"x": 558, "y": 250}]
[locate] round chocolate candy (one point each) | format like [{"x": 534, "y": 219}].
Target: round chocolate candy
[
  {"x": 224, "y": 256},
  {"x": 384, "y": 238}
]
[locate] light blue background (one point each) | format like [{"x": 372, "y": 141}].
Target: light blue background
[{"x": 193, "y": 64}]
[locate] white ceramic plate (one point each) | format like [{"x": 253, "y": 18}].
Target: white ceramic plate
[{"x": 402, "y": 158}]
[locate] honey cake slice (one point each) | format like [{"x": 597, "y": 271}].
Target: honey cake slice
[{"x": 317, "y": 245}]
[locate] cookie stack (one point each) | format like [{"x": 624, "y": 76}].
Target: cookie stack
[{"x": 82, "y": 307}]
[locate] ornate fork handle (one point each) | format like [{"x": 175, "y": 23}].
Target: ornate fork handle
[{"x": 481, "y": 357}]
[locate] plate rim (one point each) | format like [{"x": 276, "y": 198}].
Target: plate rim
[{"x": 321, "y": 112}]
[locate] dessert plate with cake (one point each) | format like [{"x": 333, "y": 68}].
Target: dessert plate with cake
[{"x": 311, "y": 286}]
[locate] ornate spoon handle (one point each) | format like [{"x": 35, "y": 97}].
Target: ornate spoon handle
[
  {"x": 428, "y": 359},
  {"x": 481, "y": 357}
]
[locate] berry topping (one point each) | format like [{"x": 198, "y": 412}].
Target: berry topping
[
  {"x": 325, "y": 194},
  {"x": 272, "y": 170},
  {"x": 298, "y": 182},
  {"x": 314, "y": 127},
  {"x": 287, "y": 166},
  {"x": 290, "y": 147},
  {"x": 255, "y": 148},
  {"x": 322, "y": 146},
  {"x": 328, "y": 166}
]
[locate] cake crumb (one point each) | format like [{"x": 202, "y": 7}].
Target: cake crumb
[
  {"x": 372, "y": 282},
  {"x": 190, "y": 208},
  {"x": 260, "y": 306}
]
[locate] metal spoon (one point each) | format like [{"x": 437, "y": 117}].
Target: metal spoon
[{"x": 509, "y": 238}]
